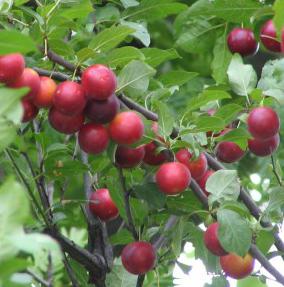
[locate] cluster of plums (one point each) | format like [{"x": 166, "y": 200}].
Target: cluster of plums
[
  {"x": 242, "y": 40},
  {"x": 70, "y": 102},
  {"x": 232, "y": 264},
  {"x": 263, "y": 124}
]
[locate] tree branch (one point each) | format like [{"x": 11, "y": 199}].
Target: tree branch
[
  {"x": 53, "y": 75},
  {"x": 126, "y": 196},
  {"x": 256, "y": 253},
  {"x": 250, "y": 204},
  {"x": 278, "y": 177},
  {"x": 38, "y": 278},
  {"x": 70, "y": 271}
]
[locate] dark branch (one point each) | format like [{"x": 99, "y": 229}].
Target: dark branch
[
  {"x": 140, "y": 280},
  {"x": 70, "y": 271},
  {"x": 38, "y": 278},
  {"x": 126, "y": 192},
  {"x": 53, "y": 75},
  {"x": 250, "y": 204},
  {"x": 256, "y": 253}
]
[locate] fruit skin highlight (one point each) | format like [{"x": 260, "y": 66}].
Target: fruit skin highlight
[
  {"x": 263, "y": 123},
  {"x": 242, "y": 41},
  {"x": 99, "y": 82},
  {"x": 173, "y": 178},
  {"x": 102, "y": 205},
  {"x": 126, "y": 128},
  {"x": 63, "y": 123},
  {"x": 138, "y": 257},
  {"x": 236, "y": 266},
  {"x": 11, "y": 67},
  {"x": 211, "y": 240}
]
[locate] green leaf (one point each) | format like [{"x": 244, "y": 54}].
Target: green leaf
[
  {"x": 276, "y": 199},
  {"x": 134, "y": 77},
  {"x": 151, "y": 10},
  {"x": 272, "y": 80},
  {"x": 7, "y": 133},
  {"x": 141, "y": 33},
  {"x": 206, "y": 97},
  {"x": 151, "y": 194},
  {"x": 278, "y": 19},
  {"x": 77, "y": 10},
  {"x": 207, "y": 123},
  {"x": 197, "y": 37},
  {"x": 122, "y": 237},
  {"x": 13, "y": 41},
  {"x": 109, "y": 38},
  {"x": 234, "y": 233},
  {"x": 166, "y": 119},
  {"x": 122, "y": 56},
  {"x": 85, "y": 54},
  {"x": 239, "y": 136},
  {"x": 228, "y": 112},
  {"x": 155, "y": 57},
  {"x": 179, "y": 230},
  {"x": 264, "y": 241},
  {"x": 221, "y": 60},
  {"x": 250, "y": 282},
  {"x": 178, "y": 78},
  {"x": 119, "y": 277},
  {"x": 232, "y": 11},
  {"x": 129, "y": 3},
  {"x": 139, "y": 210},
  {"x": 242, "y": 77},
  {"x": 223, "y": 185},
  {"x": 61, "y": 47}
]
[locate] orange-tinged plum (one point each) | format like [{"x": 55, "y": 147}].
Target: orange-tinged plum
[
  {"x": 264, "y": 147},
  {"x": 30, "y": 111},
  {"x": 102, "y": 205},
  {"x": 11, "y": 67},
  {"x": 63, "y": 123},
  {"x": 30, "y": 79},
  {"x": 127, "y": 157},
  {"x": 236, "y": 266},
  {"x": 197, "y": 167},
  {"x": 102, "y": 112},
  {"x": 268, "y": 37},
  {"x": 152, "y": 157},
  {"x": 69, "y": 98},
  {"x": 93, "y": 138},
  {"x": 99, "y": 82},
  {"x": 202, "y": 181},
  {"x": 173, "y": 178},
  {"x": 211, "y": 240},
  {"x": 242, "y": 41},
  {"x": 44, "y": 98},
  {"x": 263, "y": 123},
  {"x": 126, "y": 128},
  {"x": 138, "y": 257}
]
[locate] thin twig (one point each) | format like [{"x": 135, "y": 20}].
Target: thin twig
[
  {"x": 53, "y": 75},
  {"x": 30, "y": 192},
  {"x": 140, "y": 280},
  {"x": 278, "y": 177},
  {"x": 126, "y": 196},
  {"x": 70, "y": 271},
  {"x": 38, "y": 279}
]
